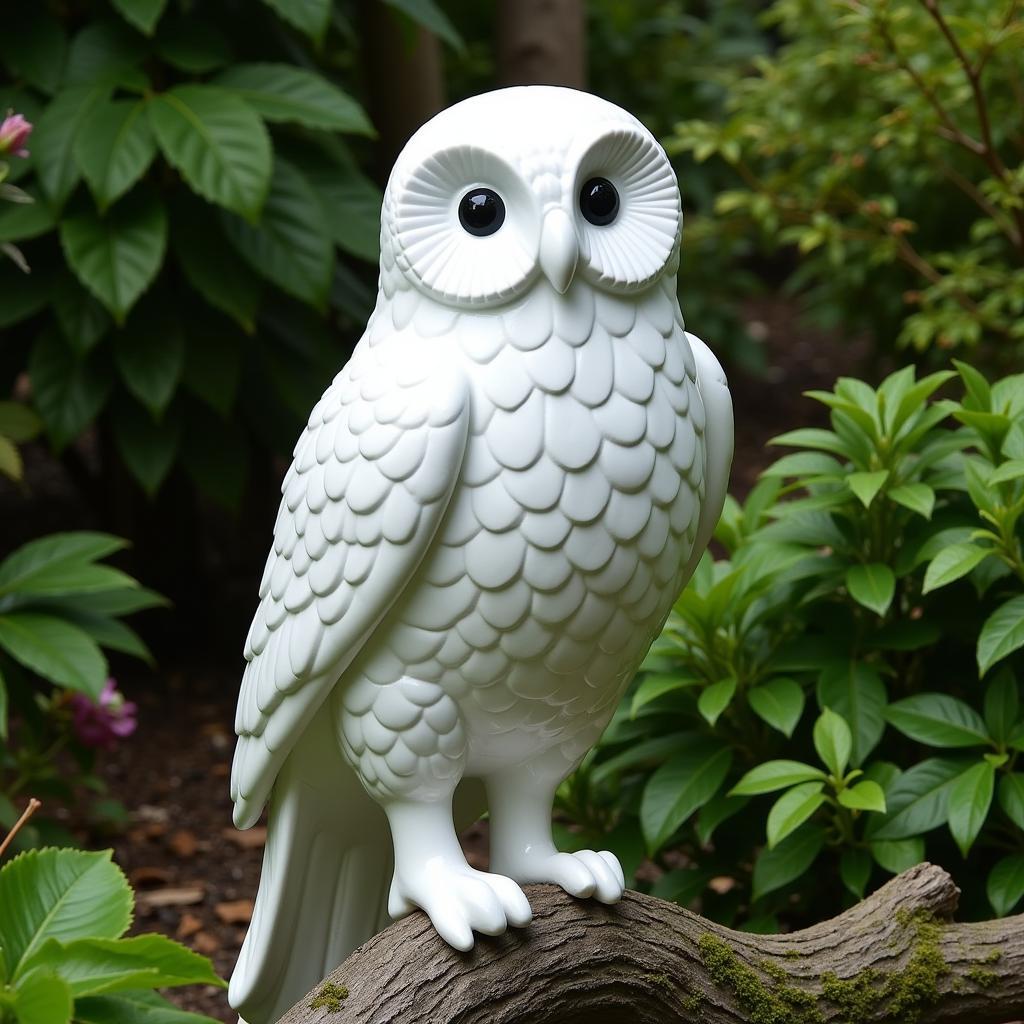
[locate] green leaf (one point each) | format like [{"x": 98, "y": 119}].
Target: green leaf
[
  {"x": 792, "y": 809},
  {"x": 351, "y": 207},
  {"x": 918, "y": 497},
  {"x": 213, "y": 365},
  {"x": 833, "y": 741},
  {"x": 150, "y": 355},
  {"x": 951, "y": 563},
  {"x": 432, "y": 18},
  {"x": 682, "y": 886},
  {"x": 42, "y": 997},
  {"x": 117, "y": 256},
  {"x": 217, "y": 142},
  {"x": 34, "y": 566},
  {"x": 779, "y": 702},
  {"x": 855, "y": 871},
  {"x": 3, "y": 717},
  {"x": 898, "y": 855},
  {"x": 866, "y": 485},
  {"x": 94, "y": 967},
  {"x": 1011, "y": 797},
  {"x": 773, "y": 775},
  {"x": 864, "y": 796},
  {"x": 60, "y": 894},
  {"x": 1002, "y": 633},
  {"x": 290, "y": 247},
  {"x": 1002, "y": 706},
  {"x": 18, "y": 422},
  {"x": 1006, "y": 884},
  {"x": 134, "y": 1008},
  {"x": 83, "y": 321},
  {"x": 147, "y": 447},
  {"x": 55, "y": 649},
  {"x": 976, "y": 385},
  {"x": 113, "y": 148},
  {"x": 20, "y": 222},
  {"x": 656, "y": 685},
  {"x": 107, "y": 52},
  {"x": 855, "y": 691},
  {"x": 111, "y": 634},
  {"x": 787, "y": 861},
  {"x": 715, "y": 698},
  {"x": 872, "y": 586},
  {"x": 917, "y": 800},
  {"x": 10, "y": 460},
  {"x": 970, "y": 797},
  {"x": 216, "y": 455},
  {"x": 283, "y": 92},
  {"x": 804, "y": 464},
  {"x": 719, "y": 808},
  {"x": 814, "y": 437},
  {"x": 68, "y": 391},
  {"x": 143, "y": 14},
  {"x": 33, "y": 46},
  {"x": 938, "y": 720},
  {"x": 192, "y": 44},
  {"x": 308, "y": 16},
  {"x": 679, "y": 787}
]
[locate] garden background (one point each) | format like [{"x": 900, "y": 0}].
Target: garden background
[{"x": 190, "y": 251}]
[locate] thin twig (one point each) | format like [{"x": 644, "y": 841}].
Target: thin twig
[{"x": 33, "y": 806}]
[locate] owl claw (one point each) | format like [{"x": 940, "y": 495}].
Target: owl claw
[{"x": 585, "y": 874}]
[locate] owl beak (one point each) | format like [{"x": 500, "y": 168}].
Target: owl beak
[{"x": 559, "y": 249}]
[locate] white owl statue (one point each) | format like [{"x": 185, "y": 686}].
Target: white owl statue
[{"x": 490, "y": 513}]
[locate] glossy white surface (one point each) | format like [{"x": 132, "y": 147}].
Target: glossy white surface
[{"x": 488, "y": 518}]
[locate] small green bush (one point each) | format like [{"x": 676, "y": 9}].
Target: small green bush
[{"x": 839, "y": 697}]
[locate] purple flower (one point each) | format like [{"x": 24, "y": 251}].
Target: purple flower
[
  {"x": 14, "y": 133},
  {"x": 103, "y": 722}
]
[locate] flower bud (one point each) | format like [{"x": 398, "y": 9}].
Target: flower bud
[{"x": 14, "y": 133}]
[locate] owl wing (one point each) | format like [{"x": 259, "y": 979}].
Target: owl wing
[
  {"x": 718, "y": 435},
  {"x": 372, "y": 476}
]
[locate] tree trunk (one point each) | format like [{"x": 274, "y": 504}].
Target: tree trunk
[
  {"x": 542, "y": 42},
  {"x": 897, "y": 956}
]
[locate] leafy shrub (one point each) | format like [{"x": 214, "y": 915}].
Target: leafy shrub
[
  {"x": 59, "y": 608},
  {"x": 198, "y": 225},
  {"x": 839, "y": 697},
  {"x": 62, "y": 917},
  {"x": 883, "y": 141}
]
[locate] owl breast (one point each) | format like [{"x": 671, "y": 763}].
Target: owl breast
[{"x": 570, "y": 527}]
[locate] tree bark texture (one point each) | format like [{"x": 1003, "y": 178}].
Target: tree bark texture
[
  {"x": 542, "y": 42},
  {"x": 897, "y": 956}
]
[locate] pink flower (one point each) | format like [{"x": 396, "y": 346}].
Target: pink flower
[
  {"x": 102, "y": 723},
  {"x": 14, "y": 133}
]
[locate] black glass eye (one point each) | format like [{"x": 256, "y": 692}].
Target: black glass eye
[
  {"x": 599, "y": 202},
  {"x": 481, "y": 212}
]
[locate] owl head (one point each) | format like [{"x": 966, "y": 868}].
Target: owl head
[{"x": 525, "y": 185}]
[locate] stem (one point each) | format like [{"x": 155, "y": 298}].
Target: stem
[{"x": 33, "y": 806}]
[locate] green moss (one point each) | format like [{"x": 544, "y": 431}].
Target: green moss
[
  {"x": 692, "y": 1002},
  {"x": 981, "y": 977},
  {"x": 857, "y": 997},
  {"x": 993, "y": 958},
  {"x": 330, "y": 997}
]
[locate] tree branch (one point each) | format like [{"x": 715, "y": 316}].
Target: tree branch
[{"x": 895, "y": 956}]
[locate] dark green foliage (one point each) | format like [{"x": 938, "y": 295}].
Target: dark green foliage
[{"x": 839, "y": 697}]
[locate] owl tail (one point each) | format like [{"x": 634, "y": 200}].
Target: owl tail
[{"x": 324, "y": 885}]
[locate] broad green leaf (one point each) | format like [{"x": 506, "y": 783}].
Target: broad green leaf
[
  {"x": 938, "y": 720},
  {"x": 21, "y": 222},
  {"x": 150, "y": 356},
  {"x": 10, "y": 460},
  {"x": 976, "y": 385},
  {"x": 657, "y": 685},
  {"x": 715, "y": 698},
  {"x": 283, "y": 92},
  {"x": 430, "y": 15},
  {"x": 111, "y": 634},
  {"x": 217, "y": 142},
  {"x": 18, "y": 422},
  {"x": 107, "y": 52},
  {"x": 898, "y": 855},
  {"x": 94, "y": 967},
  {"x": 192, "y": 44},
  {"x": 143, "y": 14},
  {"x": 773, "y": 775},
  {"x": 54, "y": 649},
  {"x": 308, "y": 16},
  {"x": 872, "y": 586},
  {"x": 83, "y": 320},
  {"x": 147, "y": 447},
  {"x": 951, "y": 563},
  {"x": 792, "y": 809},
  {"x": 719, "y": 808},
  {"x": 113, "y": 148},
  {"x": 864, "y": 796},
  {"x": 3, "y": 716},
  {"x": 680, "y": 787},
  {"x": 1002, "y": 706},
  {"x": 917, "y": 800},
  {"x": 1013, "y": 469},
  {"x": 124, "y": 602},
  {"x": 213, "y": 365},
  {"x": 351, "y": 208},
  {"x": 48, "y": 557},
  {"x": 833, "y": 741},
  {"x": 1002, "y": 633},
  {"x": 60, "y": 894},
  {"x": 918, "y": 497},
  {"x": 33, "y": 46},
  {"x": 855, "y": 871},
  {"x": 289, "y": 247},
  {"x": 117, "y": 256},
  {"x": 787, "y": 861},
  {"x": 855, "y": 691},
  {"x": 779, "y": 702},
  {"x": 804, "y": 464},
  {"x": 866, "y": 485},
  {"x": 42, "y": 997},
  {"x": 814, "y": 437},
  {"x": 1006, "y": 884},
  {"x": 1011, "y": 797},
  {"x": 134, "y": 1008},
  {"x": 683, "y": 885},
  {"x": 970, "y": 797}
]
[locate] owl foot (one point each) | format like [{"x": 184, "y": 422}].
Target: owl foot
[
  {"x": 585, "y": 873},
  {"x": 459, "y": 900}
]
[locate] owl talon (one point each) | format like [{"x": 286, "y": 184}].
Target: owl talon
[{"x": 584, "y": 874}]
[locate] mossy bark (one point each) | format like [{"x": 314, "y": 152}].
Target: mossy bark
[{"x": 897, "y": 956}]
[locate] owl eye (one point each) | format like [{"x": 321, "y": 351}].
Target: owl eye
[
  {"x": 599, "y": 201},
  {"x": 481, "y": 212}
]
